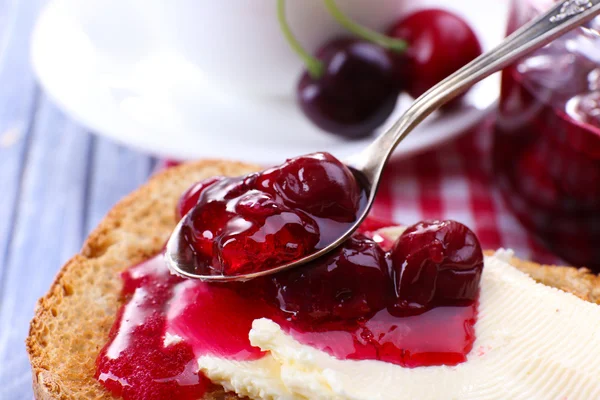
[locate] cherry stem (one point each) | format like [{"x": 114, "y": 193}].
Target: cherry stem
[
  {"x": 362, "y": 32},
  {"x": 313, "y": 65}
]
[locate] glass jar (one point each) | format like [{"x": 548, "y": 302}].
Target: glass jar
[{"x": 547, "y": 139}]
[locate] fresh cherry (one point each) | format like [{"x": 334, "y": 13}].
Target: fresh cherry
[
  {"x": 316, "y": 183},
  {"x": 435, "y": 263},
  {"x": 439, "y": 43},
  {"x": 356, "y": 92},
  {"x": 189, "y": 199},
  {"x": 351, "y": 282}
]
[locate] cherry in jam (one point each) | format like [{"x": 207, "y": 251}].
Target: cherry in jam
[
  {"x": 334, "y": 289},
  {"x": 317, "y": 183},
  {"x": 435, "y": 263},
  {"x": 261, "y": 220}
]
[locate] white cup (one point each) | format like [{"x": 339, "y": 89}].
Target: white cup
[{"x": 236, "y": 44}]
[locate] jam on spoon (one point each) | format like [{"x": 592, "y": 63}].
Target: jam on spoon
[{"x": 242, "y": 225}]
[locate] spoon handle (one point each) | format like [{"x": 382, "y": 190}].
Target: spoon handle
[{"x": 561, "y": 18}]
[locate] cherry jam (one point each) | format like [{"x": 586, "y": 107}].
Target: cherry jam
[
  {"x": 262, "y": 220},
  {"x": 135, "y": 363}
]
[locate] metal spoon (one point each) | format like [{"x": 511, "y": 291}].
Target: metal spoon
[{"x": 369, "y": 164}]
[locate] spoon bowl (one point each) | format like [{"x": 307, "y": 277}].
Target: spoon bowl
[{"x": 368, "y": 165}]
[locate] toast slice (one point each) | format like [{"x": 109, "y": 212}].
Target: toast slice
[{"x": 72, "y": 321}]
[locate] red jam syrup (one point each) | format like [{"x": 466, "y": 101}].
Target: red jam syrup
[
  {"x": 413, "y": 305},
  {"x": 547, "y": 142},
  {"x": 135, "y": 364}
]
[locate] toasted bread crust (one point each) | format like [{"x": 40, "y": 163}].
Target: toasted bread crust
[{"x": 72, "y": 320}]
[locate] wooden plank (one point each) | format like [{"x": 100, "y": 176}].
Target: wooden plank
[
  {"x": 17, "y": 104},
  {"x": 47, "y": 231},
  {"x": 70, "y": 182},
  {"x": 55, "y": 183},
  {"x": 18, "y": 98},
  {"x": 14, "y": 144}
]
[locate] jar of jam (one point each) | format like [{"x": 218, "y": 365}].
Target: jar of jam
[{"x": 547, "y": 139}]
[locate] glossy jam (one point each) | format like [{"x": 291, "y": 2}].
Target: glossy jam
[
  {"x": 547, "y": 142},
  {"x": 135, "y": 364},
  {"x": 261, "y": 220},
  {"x": 339, "y": 305}
]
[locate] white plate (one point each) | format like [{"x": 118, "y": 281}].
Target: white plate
[{"x": 165, "y": 106}]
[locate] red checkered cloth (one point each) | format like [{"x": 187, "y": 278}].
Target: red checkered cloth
[{"x": 455, "y": 181}]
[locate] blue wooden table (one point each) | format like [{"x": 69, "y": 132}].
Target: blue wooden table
[{"x": 56, "y": 183}]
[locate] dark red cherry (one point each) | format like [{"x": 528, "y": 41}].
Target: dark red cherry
[
  {"x": 357, "y": 91},
  {"x": 200, "y": 229},
  {"x": 189, "y": 199},
  {"x": 350, "y": 283},
  {"x": 439, "y": 43},
  {"x": 316, "y": 183},
  {"x": 205, "y": 223},
  {"x": 435, "y": 263}
]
